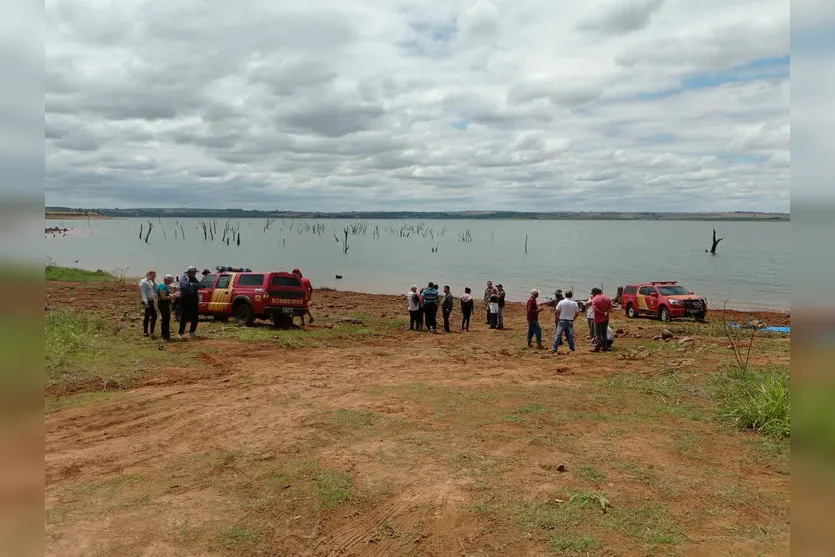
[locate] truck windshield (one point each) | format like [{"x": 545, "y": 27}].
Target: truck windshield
[{"x": 673, "y": 290}]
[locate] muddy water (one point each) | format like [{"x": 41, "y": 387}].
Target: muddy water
[{"x": 750, "y": 270}]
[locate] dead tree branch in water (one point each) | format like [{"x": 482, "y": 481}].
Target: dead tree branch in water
[{"x": 715, "y": 243}]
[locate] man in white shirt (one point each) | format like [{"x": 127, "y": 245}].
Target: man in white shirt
[
  {"x": 147, "y": 287},
  {"x": 567, "y": 310}
]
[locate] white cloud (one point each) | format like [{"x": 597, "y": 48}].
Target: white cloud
[{"x": 455, "y": 105}]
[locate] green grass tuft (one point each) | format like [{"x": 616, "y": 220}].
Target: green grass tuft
[
  {"x": 758, "y": 400},
  {"x": 584, "y": 499},
  {"x": 332, "y": 486}
]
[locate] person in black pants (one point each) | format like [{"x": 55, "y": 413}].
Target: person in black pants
[
  {"x": 430, "y": 307},
  {"x": 189, "y": 301},
  {"x": 414, "y": 309},
  {"x": 466, "y": 308},
  {"x": 446, "y": 308},
  {"x": 147, "y": 287},
  {"x": 164, "y": 298}
]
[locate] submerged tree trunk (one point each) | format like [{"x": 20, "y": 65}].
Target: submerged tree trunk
[{"x": 715, "y": 243}]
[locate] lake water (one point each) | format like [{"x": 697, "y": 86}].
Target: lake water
[{"x": 750, "y": 270}]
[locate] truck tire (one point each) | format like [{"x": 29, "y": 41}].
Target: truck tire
[
  {"x": 700, "y": 317},
  {"x": 244, "y": 313},
  {"x": 630, "y": 311},
  {"x": 664, "y": 314}
]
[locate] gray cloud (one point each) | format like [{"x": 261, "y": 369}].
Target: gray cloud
[
  {"x": 625, "y": 16},
  {"x": 332, "y": 105}
]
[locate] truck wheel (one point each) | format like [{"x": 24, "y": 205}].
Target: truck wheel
[
  {"x": 700, "y": 316},
  {"x": 630, "y": 311},
  {"x": 244, "y": 314},
  {"x": 664, "y": 315}
]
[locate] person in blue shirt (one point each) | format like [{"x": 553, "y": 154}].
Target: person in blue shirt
[
  {"x": 164, "y": 299},
  {"x": 430, "y": 307}
]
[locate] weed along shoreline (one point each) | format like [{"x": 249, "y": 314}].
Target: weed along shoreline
[{"x": 355, "y": 435}]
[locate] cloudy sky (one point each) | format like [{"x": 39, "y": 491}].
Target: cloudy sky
[{"x": 438, "y": 104}]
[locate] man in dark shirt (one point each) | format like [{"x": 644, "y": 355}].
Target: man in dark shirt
[
  {"x": 430, "y": 307},
  {"x": 446, "y": 307},
  {"x": 189, "y": 301},
  {"x": 501, "y": 301},
  {"x": 533, "y": 309}
]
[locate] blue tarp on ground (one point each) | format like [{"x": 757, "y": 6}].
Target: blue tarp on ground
[{"x": 771, "y": 329}]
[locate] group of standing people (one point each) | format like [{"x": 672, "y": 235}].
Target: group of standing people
[
  {"x": 566, "y": 310},
  {"x": 424, "y": 304},
  {"x": 162, "y": 295},
  {"x": 423, "y": 308}
]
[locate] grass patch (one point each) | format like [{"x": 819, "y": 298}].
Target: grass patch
[
  {"x": 585, "y": 499},
  {"x": 665, "y": 394},
  {"x": 236, "y": 536},
  {"x": 532, "y": 408},
  {"x": 67, "y": 274},
  {"x": 82, "y": 352},
  {"x": 55, "y": 403},
  {"x": 542, "y": 515},
  {"x": 354, "y": 419},
  {"x": 572, "y": 544},
  {"x": 756, "y": 400},
  {"x": 332, "y": 486},
  {"x": 649, "y": 524},
  {"x": 590, "y": 474},
  {"x": 107, "y": 489},
  {"x": 298, "y": 338}
]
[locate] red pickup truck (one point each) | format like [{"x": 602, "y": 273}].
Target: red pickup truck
[
  {"x": 666, "y": 300},
  {"x": 248, "y": 296}
]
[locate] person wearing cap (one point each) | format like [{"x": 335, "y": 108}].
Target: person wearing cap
[
  {"x": 308, "y": 294},
  {"x": 164, "y": 299},
  {"x": 189, "y": 301}
]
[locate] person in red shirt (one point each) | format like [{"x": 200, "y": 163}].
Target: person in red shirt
[
  {"x": 533, "y": 309},
  {"x": 602, "y": 305},
  {"x": 308, "y": 294}
]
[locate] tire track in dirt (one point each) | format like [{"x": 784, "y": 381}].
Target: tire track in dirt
[{"x": 362, "y": 532}]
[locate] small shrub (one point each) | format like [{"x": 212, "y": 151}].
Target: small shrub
[{"x": 756, "y": 400}]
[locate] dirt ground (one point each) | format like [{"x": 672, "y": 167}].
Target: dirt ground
[{"x": 356, "y": 436}]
